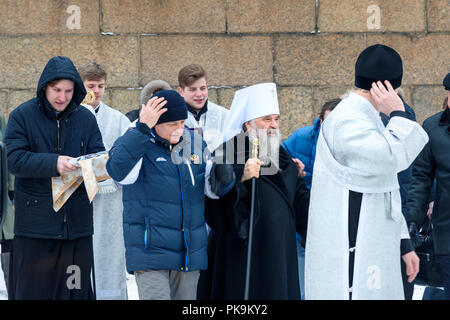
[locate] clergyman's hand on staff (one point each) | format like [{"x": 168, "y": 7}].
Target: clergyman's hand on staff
[
  {"x": 300, "y": 167},
  {"x": 412, "y": 265},
  {"x": 252, "y": 169},
  {"x": 151, "y": 112}
]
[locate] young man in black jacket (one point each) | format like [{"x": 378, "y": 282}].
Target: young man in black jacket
[
  {"x": 434, "y": 163},
  {"x": 52, "y": 256}
]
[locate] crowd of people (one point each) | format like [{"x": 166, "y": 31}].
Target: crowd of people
[{"x": 207, "y": 203}]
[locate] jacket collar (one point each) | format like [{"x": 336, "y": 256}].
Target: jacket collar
[
  {"x": 445, "y": 119},
  {"x": 195, "y": 113}
]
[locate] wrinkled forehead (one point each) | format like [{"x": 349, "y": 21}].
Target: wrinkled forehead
[{"x": 269, "y": 117}]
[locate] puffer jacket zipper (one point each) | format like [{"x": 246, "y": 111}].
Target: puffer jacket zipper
[{"x": 183, "y": 217}]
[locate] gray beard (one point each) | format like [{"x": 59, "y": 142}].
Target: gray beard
[{"x": 269, "y": 146}]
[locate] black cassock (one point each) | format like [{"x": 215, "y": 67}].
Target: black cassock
[{"x": 281, "y": 209}]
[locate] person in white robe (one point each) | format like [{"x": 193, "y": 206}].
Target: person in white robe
[
  {"x": 108, "y": 241},
  {"x": 204, "y": 116},
  {"x": 356, "y": 231}
]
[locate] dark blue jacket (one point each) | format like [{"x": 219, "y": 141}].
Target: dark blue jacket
[
  {"x": 35, "y": 137},
  {"x": 301, "y": 144},
  {"x": 163, "y": 217}
]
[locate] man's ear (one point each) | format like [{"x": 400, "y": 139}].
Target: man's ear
[
  {"x": 180, "y": 91},
  {"x": 247, "y": 126}
]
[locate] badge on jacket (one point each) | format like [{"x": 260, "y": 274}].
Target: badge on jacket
[{"x": 195, "y": 159}]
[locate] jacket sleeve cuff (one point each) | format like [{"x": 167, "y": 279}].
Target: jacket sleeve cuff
[
  {"x": 406, "y": 246},
  {"x": 402, "y": 114},
  {"x": 143, "y": 128}
]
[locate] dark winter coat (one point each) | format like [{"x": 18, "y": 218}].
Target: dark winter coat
[
  {"x": 163, "y": 217},
  {"x": 433, "y": 163},
  {"x": 281, "y": 209},
  {"x": 35, "y": 137}
]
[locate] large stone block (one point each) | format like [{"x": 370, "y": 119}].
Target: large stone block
[
  {"x": 230, "y": 61},
  {"x": 438, "y": 15},
  {"x": 168, "y": 16},
  {"x": 406, "y": 93},
  {"x": 371, "y": 16},
  {"x": 107, "y": 96},
  {"x": 4, "y": 102},
  {"x": 27, "y": 57},
  {"x": 271, "y": 16},
  {"x": 226, "y": 95},
  {"x": 323, "y": 94},
  {"x": 17, "y": 97},
  {"x": 296, "y": 108},
  {"x": 323, "y": 60},
  {"x": 44, "y": 16},
  {"x": 428, "y": 100},
  {"x": 212, "y": 95},
  {"x": 124, "y": 100},
  {"x": 24, "y": 58},
  {"x": 425, "y": 57},
  {"x": 119, "y": 54}
]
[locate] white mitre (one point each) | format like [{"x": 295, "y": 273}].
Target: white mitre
[{"x": 250, "y": 103}]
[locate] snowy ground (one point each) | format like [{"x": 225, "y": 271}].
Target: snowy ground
[{"x": 133, "y": 293}]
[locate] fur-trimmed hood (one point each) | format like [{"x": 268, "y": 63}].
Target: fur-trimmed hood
[{"x": 150, "y": 88}]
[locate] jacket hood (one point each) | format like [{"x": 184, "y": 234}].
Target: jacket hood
[{"x": 61, "y": 68}]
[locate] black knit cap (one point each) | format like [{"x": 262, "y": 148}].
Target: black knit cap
[
  {"x": 446, "y": 82},
  {"x": 176, "y": 107},
  {"x": 378, "y": 63}
]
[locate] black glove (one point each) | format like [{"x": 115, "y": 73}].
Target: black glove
[
  {"x": 416, "y": 238},
  {"x": 221, "y": 175}
]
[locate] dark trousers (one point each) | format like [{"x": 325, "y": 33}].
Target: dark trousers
[
  {"x": 5, "y": 260},
  {"x": 50, "y": 269},
  {"x": 433, "y": 293},
  {"x": 445, "y": 266}
]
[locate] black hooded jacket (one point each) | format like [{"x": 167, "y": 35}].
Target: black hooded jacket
[{"x": 35, "y": 137}]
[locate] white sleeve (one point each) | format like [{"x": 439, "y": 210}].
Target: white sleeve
[
  {"x": 133, "y": 175},
  {"x": 360, "y": 145},
  {"x": 406, "y": 139}
]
